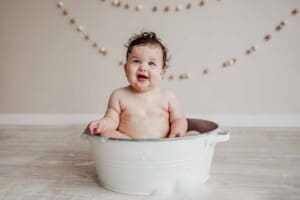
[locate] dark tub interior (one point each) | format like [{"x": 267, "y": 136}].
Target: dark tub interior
[{"x": 200, "y": 125}]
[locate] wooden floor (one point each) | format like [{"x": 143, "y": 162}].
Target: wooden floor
[{"x": 53, "y": 162}]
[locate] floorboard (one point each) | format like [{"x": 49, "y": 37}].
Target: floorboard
[{"x": 54, "y": 162}]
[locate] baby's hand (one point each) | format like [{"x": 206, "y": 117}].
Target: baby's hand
[
  {"x": 177, "y": 134},
  {"x": 96, "y": 127}
]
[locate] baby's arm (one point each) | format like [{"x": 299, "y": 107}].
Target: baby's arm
[
  {"x": 177, "y": 119},
  {"x": 111, "y": 119}
]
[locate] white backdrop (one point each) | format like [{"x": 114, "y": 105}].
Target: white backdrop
[{"x": 46, "y": 66}]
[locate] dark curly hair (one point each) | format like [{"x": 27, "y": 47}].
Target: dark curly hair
[{"x": 147, "y": 38}]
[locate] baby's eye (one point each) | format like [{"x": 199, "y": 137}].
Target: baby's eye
[
  {"x": 152, "y": 64},
  {"x": 136, "y": 61}
]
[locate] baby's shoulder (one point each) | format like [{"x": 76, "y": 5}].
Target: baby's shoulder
[{"x": 119, "y": 92}]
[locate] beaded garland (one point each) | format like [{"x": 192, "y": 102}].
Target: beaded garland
[{"x": 168, "y": 8}]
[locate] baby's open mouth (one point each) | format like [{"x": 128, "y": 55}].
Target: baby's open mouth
[{"x": 142, "y": 77}]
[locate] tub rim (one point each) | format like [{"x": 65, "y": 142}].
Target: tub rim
[{"x": 193, "y": 124}]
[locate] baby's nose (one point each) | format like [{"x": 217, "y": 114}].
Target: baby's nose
[{"x": 142, "y": 68}]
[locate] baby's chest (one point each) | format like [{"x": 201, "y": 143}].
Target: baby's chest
[{"x": 145, "y": 108}]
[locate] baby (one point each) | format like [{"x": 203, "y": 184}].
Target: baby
[{"x": 142, "y": 109}]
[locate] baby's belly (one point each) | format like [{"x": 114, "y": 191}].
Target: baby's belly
[{"x": 144, "y": 127}]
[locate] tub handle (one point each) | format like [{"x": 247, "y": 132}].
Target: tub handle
[{"x": 222, "y": 136}]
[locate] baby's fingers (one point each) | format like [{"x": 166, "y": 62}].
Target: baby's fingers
[
  {"x": 99, "y": 128},
  {"x": 172, "y": 135},
  {"x": 92, "y": 127}
]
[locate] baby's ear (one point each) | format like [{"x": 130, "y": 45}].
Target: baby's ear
[{"x": 124, "y": 67}]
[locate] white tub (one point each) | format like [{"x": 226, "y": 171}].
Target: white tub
[{"x": 147, "y": 166}]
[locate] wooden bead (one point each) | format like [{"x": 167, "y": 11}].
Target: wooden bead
[
  {"x": 253, "y": 48},
  {"x": 167, "y": 9},
  {"x": 116, "y": 3},
  {"x": 234, "y": 60},
  {"x": 121, "y": 63},
  {"x": 202, "y": 3},
  {"x": 139, "y": 7},
  {"x": 86, "y": 37},
  {"x": 103, "y": 51},
  {"x": 178, "y": 8},
  {"x": 60, "y": 4},
  {"x": 95, "y": 45},
  {"x": 205, "y": 71},
  {"x": 181, "y": 76},
  {"x": 154, "y": 9},
  {"x": 65, "y": 12},
  {"x": 126, "y": 6},
  {"x": 278, "y": 28},
  {"x": 226, "y": 64},
  {"x": 72, "y": 21},
  {"x": 295, "y": 11},
  {"x": 171, "y": 77},
  {"x": 80, "y": 28},
  {"x": 268, "y": 37},
  {"x": 188, "y": 6},
  {"x": 188, "y": 75}
]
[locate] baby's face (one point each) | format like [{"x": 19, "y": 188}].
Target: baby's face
[{"x": 144, "y": 67}]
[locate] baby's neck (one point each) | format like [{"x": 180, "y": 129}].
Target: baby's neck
[{"x": 136, "y": 91}]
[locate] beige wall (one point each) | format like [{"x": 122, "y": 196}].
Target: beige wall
[{"x": 47, "y": 67}]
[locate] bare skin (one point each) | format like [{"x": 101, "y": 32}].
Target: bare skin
[{"x": 142, "y": 109}]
